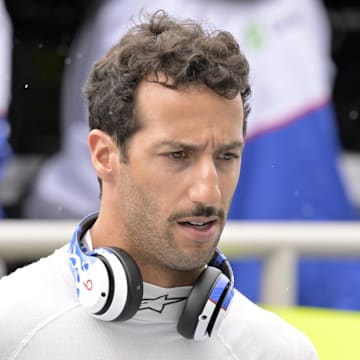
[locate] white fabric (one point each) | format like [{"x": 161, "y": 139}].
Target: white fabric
[{"x": 41, "y": 318}]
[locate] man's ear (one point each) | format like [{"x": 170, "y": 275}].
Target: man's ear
[{"x": 103, "y": 152}]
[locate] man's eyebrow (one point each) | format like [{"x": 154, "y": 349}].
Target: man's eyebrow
[
  {"x": 195, "y": 147},
  {"x": 232, "y": 146},
  {"x": 180, "y": 145}
]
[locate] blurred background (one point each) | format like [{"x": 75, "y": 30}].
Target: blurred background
[
  {"x": 301, "y": 161},
  {"x": 43, "y": 33},
  {"x": 302, "y": 158}
]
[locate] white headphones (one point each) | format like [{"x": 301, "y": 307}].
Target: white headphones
[{"x": 110, "y": 287}]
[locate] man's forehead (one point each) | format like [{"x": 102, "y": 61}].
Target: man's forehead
[{"x": 161, "y": 106}]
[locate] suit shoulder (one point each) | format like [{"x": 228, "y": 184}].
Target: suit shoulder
[
  {"x": 248, "y": 326},
  {"x": 36, "y": 290}
]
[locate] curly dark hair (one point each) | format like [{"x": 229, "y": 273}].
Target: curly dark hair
[{"x": 183, "y": 52}]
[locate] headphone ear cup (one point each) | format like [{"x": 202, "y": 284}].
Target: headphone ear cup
[
  {"x": 195, "y": 322},
  {"x": 125, "y": 284},
  {"x": 134, "y": 284}
]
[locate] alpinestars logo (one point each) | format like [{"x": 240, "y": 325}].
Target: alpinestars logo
[{"x": 158, "y": 304}]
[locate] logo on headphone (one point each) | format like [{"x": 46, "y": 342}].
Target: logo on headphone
[{"x": 88, "y": 284}]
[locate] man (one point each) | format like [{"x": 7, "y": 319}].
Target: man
[
  {"x": 168, "y": 107},
  {"x": 291, "y": 162}
]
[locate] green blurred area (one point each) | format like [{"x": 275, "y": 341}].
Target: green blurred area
[{"x": 335, "y": 334}]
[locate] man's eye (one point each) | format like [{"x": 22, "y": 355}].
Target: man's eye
[
  {"x": 178, "y": 154},
  {"x": 228, "y": 156}
]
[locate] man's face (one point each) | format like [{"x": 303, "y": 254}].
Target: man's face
[{"x": 174, "y": 190}]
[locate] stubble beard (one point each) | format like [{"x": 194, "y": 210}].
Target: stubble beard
[{"x": 160, "y": 249}]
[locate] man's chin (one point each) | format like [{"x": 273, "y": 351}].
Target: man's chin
[{"x": 195, "y": 260}]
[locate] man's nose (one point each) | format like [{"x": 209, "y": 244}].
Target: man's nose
[{"x": 204, "y": 188}]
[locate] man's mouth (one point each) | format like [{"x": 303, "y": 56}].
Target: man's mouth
[{"x": 196, "y": 224}]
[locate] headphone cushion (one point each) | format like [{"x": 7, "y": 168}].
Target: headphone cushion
[
  {"x": 197, "y": 300},
  {"x": 134, "y": 283}
]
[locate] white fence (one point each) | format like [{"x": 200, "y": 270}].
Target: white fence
[{"x": 279, "y": 244}]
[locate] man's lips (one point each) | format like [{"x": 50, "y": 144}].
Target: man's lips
[{"x": 199, "y": 223}]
